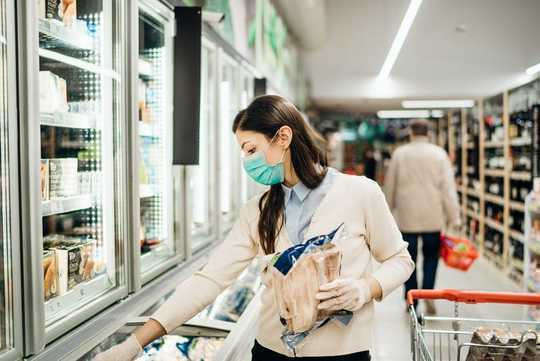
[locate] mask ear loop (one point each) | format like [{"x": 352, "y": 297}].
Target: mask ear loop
[{"x": 284, "y": 150}]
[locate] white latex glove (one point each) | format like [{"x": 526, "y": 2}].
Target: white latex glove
[
  {"x": 344, "y": 294},
  {"x": 126, "y": 351}
]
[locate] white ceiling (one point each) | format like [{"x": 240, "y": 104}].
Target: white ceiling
[{"x": 502, "y": 39}]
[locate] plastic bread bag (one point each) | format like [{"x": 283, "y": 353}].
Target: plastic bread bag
[{"x": 296, "y": 276}]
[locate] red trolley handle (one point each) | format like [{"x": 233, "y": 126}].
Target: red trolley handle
[{"x": 474, "y": 297}]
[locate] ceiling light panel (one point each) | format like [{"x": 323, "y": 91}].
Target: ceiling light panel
[
  {"x": 403, "y": 114},
  {"x": 533, "y": 69},
  {"x": 413, "y": 104},
  {"x": 401, "y": 35}
]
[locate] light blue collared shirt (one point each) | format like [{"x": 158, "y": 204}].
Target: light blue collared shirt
[{"x": 301, "y": 203}]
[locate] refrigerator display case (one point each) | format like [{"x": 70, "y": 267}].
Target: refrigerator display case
[
  {"x": 229, "y": 152},
  {"x": 73, "y": 138},
  {"x": 158, "y": 248},
  {"x": 202, "y": 192},
  {"x": 10, "y": 278},
  {"x": 224, "y": 331}
]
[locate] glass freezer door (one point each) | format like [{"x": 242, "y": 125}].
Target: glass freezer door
[
  {"x": 82, "y": 181},
  {"x": 202, "y": 190},
  {"x": 229, "y": 153},
  {"x": 154, "y": 105},
  {"x": 10, "y": 316}
]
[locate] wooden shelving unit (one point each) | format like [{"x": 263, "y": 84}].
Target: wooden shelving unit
[{"x": 494, "y": 177}]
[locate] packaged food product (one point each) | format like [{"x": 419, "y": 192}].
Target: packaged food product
[
  {"x": 63, "y": 177},
  {"x": 44, "y": 179},
  {"x": 296, "y": 276},
  {"x": 75, "y": 263},
  {"x": 502, "y": 345},
  {"x": 52, "y": 93},
  {"x": 295, "y": 292},
  {"x": 50, "y": 275},
  {"x": 63, "y": 10}
]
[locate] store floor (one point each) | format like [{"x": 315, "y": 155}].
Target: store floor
[{"x": 392, "y": 341}]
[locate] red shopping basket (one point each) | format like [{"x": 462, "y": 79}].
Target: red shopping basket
[{"x": 458, "y": 253}]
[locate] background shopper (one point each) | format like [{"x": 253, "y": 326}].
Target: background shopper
[
  {"x": 305, "y": 199},
  {"x": 420, "y": 189}
]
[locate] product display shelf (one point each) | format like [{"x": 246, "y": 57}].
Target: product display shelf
[
  {"x": 473, "y": 214},
  {"x": 472, "y": 192},
  {"x": 493, "y": 144},
  {"x": 55, "y": 34},
  {"x": 69, "y": 120},
  {"x": 517, "y": 206},
  {"x": 65, "y": 205},
  {"x": 502, "y": 135},
  {"x": 81, "y": 293},
  {"x": 77, "y": 63},
  {"x": 524, "y": 176},
  {"x": 494, "y": 224},
  {"x": 494, "y": 258},
  {"x": 520, "y": 142},
  {"x": 494, "y": 199},
  {"x": 500, "y": 173},
  {"x": 517, "y": 235}
]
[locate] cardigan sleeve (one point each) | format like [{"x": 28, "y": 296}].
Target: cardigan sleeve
[
  {"x": 386, "y": 242},
  {"x": 224, "y": 266}
]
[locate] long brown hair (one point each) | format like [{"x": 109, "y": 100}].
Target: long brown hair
[{"x": 266, "y": 115}]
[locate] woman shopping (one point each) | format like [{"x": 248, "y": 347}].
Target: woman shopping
[{"x": 305, "y": 199}]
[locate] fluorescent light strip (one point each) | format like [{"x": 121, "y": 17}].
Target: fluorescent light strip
[
  {"x": 412, "y": 104},
  {"x": 533, "y": 69},
  {"x": 401, "y": 35},
  {"x": 403, "y": 114}
]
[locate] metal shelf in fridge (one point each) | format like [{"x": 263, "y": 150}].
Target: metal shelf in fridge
[
  {"x": 69, "y": 120},
  {"x": 65, "y": 205},
  {"x": 56, "y": 35}
]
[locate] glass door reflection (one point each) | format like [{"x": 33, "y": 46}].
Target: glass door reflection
[
  {"x": 201, "y": 185},
  {"x": 79, "y": 87},
  {"x": 229, "y": 154},
  {"x": 8, "y": 285},
  {"x": 155, "y": 130}
]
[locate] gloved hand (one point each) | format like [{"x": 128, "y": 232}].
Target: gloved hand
[
  {"x": 344, "y": 294},
  {"x": 126, "y": 351}
]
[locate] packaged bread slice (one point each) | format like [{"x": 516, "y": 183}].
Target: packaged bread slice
[{"x": 295, "y": 292}]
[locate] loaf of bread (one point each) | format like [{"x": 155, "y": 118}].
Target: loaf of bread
[{"x": 295, "y": 292}]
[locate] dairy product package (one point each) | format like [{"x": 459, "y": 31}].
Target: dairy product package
[
  {"x": 50, "y": 275},
  {"x": 44, "y": 179},
  {"x": 63, "y": 177},
  {"x": 74, "y": 259},
  {"x": 296, "y": 276},
  {"x": 52, "y": 93}
]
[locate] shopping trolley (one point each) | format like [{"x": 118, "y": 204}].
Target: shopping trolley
[{"x": 449, "y": 338}]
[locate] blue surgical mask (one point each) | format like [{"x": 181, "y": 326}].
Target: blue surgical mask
[{"x": 261, "y": 171}]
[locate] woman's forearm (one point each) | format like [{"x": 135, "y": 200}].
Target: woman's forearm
[{"x": 149, "y": 332}]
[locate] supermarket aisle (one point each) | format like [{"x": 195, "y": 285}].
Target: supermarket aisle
[{"x": 392, "y": 341}]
